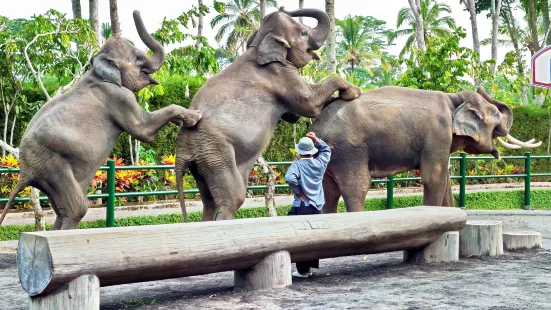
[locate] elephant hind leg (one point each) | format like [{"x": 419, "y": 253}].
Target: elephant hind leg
[
  {"x": 225, "y": 185},
  {"x": 332, "y": 194},
  {"x": 209, "y": 207},
  {"x": 353, "y": 180},
  {"x": 68, "y": 198}
]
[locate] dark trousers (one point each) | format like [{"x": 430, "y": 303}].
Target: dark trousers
[{"x": 304, "y": 267}]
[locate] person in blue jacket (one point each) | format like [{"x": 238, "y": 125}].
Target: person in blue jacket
[{"x": 305, "y": 180}]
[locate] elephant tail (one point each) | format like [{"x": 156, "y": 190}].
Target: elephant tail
[
  {"x": 18, "y": 187},
  {"x": 180, "y": 168}
]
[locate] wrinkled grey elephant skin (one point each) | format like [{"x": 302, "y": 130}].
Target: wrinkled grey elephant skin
[
  {"x": 242, "y": 105},
  {"x": 395, "y": 129},
  {"x": 73, "y": 134}
]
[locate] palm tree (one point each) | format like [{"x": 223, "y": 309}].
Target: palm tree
[
  {"x": 106, "y": 31},
  {"x": 433, "y": 23},
  {"x": 94, "y": 19},
  {"x": 239, "y": 20},
  {"x": 331, "y": 46},
  {"x": 114, "y": 13},
  {"x": 360, "y": 41}
]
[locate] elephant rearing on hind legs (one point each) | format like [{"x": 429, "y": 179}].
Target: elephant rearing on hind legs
[
  {"x": 71, "y": 135},
  {"x": 395, "y": 129},
  {"x": 242, "y": 105}
]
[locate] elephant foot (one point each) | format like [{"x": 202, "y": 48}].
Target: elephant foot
[
  {"x": 351, "y": 93},
  {"x": 188, "y": 119}
]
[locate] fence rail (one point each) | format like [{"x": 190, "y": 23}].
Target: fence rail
[{"x": 390, "y": 181}]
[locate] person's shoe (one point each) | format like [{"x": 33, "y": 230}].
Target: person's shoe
[{"x": 301, "y": 275}]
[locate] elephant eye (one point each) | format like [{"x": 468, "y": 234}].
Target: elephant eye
[
  {"x": 139, "y": 57},
  {"x": 303, "y": 32}
]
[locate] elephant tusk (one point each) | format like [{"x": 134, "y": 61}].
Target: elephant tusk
[
  {"x": 508, "y": 145},
  {"x": 523, "y": 144}
]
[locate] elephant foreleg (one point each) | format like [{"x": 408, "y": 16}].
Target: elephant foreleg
[
  {"x": 143, "y": 125},
  {"x": 448, "y": 196},
  {"x": 308, "y": 100},
  {"x": 434, "y": 177}
]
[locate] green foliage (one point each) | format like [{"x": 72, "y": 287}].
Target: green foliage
[
  {"x": 238, "y": 20},
  {"x": 434, "y": 25},
  {"x": 442, "y": 67}
]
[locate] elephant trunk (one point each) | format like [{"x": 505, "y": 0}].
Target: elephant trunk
[
  {"x": 319, "y": 34},
  {"x": 158, "y": 57}
]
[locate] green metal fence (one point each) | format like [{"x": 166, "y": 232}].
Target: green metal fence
[{"x": 111, "y": 194}]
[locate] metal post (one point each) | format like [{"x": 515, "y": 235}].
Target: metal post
[
  {"x": 110, "y": 217},
  {"x": 463, "y": 181},
  {"x": 390, "y": 192},
  {"x": 527, "y": 164}
]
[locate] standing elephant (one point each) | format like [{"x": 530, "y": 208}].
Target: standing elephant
[
  {"x": 242, "y": 105},
  {"x": 394, "y": 129},
  {"x": 71, "y": 135}
]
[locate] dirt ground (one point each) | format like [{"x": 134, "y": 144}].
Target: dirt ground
[{"x": 512, "y": 281}]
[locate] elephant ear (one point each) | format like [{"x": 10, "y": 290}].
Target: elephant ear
[
  {"x": 467, "y": 120},
  {"x": 272, "y": 48},
  {"x": 106, "y": 69}
]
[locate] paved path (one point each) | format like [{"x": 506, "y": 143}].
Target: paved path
[{"x": 155, "y": 209}]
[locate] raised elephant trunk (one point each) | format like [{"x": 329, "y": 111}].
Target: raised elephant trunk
[
  {"x": 319, "y": 34},
  {"x": 158, "y": 57}
]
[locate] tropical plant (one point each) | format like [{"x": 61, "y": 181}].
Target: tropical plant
[
  {"x": 360, "y": 42},
  {"x": 239, "y": 19},
  {"x": 434, "y": 25}
]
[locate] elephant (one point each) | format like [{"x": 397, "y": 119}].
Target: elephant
[
  {"x": 242, "y": 105},
  {"x": 394, "y": 129},
  {"x": 70, "y": 137}
]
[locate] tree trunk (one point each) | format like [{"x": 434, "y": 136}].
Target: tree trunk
[
  {"x": 94, "y": 20},
  {"x": 76, "y": 9},
  {"x": 545, "y": 13},
  {"x": 300, "y": 7},
  {"x": 262, "y": 8},
  {"x": 199, "y": 26},
  {"x": 39, "y": 223},
  {"x": 533, "y": 27},
  {"x": 131, "y": 150},
  {"x": 13, "y": 127},
  {"x": 115, "y": 25},
  {"x": 419, "y": 29},
  {"x": 331, "y": 45},
  {"x": 509, "y": 19},
  {"x": 495, "y": 9},
  {"x": 470, "y": 5},
  {"x": 270, "y": 187}
]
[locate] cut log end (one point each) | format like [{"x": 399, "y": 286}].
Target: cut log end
[
  {"x": 274, "y": 271},
  {"x": 81, "y": 293},
  {"x": 34, "y": 263},
  {"x": 481, "y": 238},
  {"x": 521, "y": 240},
  {"x": 444, "y": 249}
]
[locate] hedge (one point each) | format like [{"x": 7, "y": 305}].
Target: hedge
[{"x": 507, "y": 200}]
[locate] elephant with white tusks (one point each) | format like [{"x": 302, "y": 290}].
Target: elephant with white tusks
[
  {"x": 71, "y": 135},
  {"x": 390, "y": 130}
]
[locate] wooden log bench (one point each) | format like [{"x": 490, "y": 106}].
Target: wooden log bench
[{"x": 55, "y": 264}]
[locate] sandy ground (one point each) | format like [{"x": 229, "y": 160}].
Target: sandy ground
[{"x": 382, "y": 281}]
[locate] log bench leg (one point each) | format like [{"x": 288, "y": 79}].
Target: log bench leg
[
  {"x": 274, "y": 271},
  {"x": 443, "y": 249},
  {"x": 481, "y": 238},
  {"x": 521, "y": 240},
  {"x": 81, "y": 293}
]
